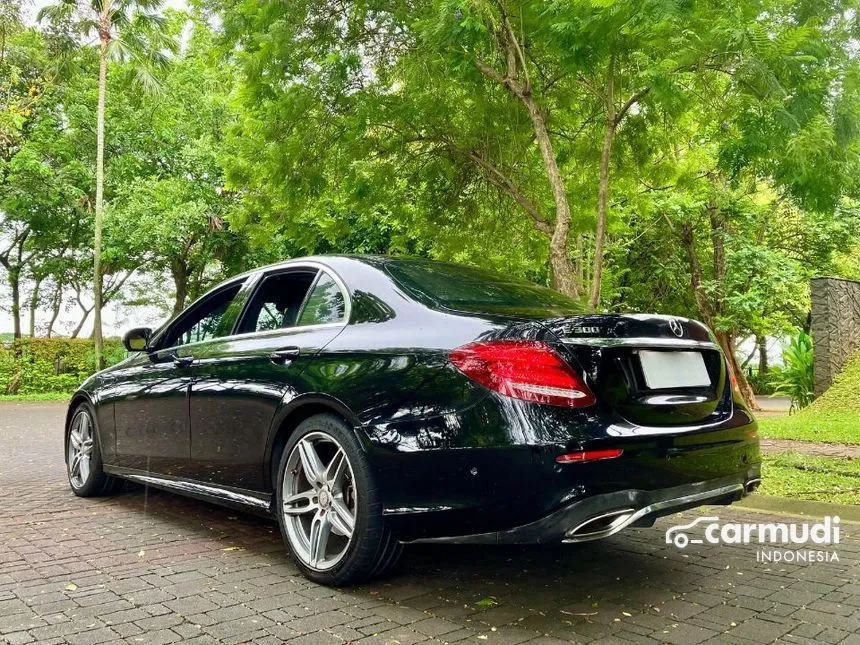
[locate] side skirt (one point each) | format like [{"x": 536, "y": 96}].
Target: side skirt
[{"x": 239, "y": 498}]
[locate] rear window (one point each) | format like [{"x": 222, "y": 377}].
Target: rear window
[{"x": 464, "y": 288}]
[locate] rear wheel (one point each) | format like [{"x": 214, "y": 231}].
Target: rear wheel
[
  {"x": 328, "y": 506},
  {"x": 84, "y": 457}
]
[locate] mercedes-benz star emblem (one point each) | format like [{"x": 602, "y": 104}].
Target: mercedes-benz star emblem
[{"x": 676, "y": 328}]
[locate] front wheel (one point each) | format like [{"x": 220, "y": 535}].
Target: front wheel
[
  {"x": 328, "y": 507},
  {"x": 84, "y": 457}
]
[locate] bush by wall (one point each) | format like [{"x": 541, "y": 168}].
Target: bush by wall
[{"x": 40, "y": 365}]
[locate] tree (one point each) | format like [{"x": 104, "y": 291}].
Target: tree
[
  {"x": 128, "y": 30},
  {"x": 538, "y": 98},
  {"x": 168, "y": 205},
  {"x": 43, "y": 183},
  {"x": 751, "y": 185}
]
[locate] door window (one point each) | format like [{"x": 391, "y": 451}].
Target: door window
[
  {"x": 277, "y": 302},
  {"x": 325, "y": 304},
  {"x": 204, "y": 320}
]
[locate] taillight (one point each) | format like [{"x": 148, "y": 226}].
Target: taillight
[
  {"x": 589, "y": 455},
  {"x": 523, "y": 369}
]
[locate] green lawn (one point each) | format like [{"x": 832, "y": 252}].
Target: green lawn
[
  {"x": 836, "y": 427},
  {"x": 42, "y": 396},
  {"x": 823, "y": 479},
  {"x": 834, "y": 417}
]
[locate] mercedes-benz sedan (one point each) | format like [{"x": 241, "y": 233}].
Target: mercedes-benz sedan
[{"x": 367, "y": 402}]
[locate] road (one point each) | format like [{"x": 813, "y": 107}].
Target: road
[{"x": 150, "y": 567}]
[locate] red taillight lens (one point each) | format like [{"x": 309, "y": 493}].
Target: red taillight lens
[
  {"x": 589, "y": 455},
  {"x": 523, "y": 369}
]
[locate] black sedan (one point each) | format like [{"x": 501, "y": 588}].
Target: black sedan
[{"x": 368, "y": 402}]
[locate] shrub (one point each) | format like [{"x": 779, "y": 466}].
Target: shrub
[
  {"x": 40, "y": 365},
  {"x": 763, "y": 384},
  {"x": 796, "y": 379}
]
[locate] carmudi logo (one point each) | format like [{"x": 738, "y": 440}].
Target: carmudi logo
[{"x": 816, "y": 536}]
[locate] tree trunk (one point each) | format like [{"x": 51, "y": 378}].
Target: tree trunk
[
  {"x": 99, "y": 209},
  {"x": 77, "y": 330},
  {"x": 179, "y": 271},
  {"x": 603, "y": 191},
  {"x": 563, "y": 277},
  {"x": 56, "y": 305},
  {"x": 13, "y": 274},
  {"x": 34, "y": 304},
  {"x": 761, "y": 341},
  {"x": 727, "y": 343},
  {"x": 707, "y": 313}
]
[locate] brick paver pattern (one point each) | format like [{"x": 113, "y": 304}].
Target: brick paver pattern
[{"x": 150, "y": 567}]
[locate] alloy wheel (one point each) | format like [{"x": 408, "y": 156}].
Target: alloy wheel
[
  {"x": 80, "y": 449},
  {"x": 319, "y": 501}
]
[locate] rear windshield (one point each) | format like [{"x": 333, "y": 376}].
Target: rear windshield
[{"x": 464, "y": 288}]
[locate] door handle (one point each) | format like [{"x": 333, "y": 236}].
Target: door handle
[
  {"x": 183, "y": 361},
  {"x": 285, "y": 355}
]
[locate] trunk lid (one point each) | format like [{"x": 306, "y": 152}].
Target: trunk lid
[{"x": 649, "y": 369}]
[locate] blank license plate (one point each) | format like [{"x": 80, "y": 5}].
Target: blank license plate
[{"x": 665, "y": 370}]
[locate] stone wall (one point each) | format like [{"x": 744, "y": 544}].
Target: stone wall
[{"x": 835, "y": 326}]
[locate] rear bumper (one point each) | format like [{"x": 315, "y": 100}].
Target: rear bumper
[{"x": 602, "y": 515}]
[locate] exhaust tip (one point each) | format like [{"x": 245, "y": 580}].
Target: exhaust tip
[
  {"x": 752, "y": 484},
  {"x": 601, "y": 525}
]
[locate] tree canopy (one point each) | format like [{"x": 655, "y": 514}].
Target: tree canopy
[{"x": 697, "y": 158}]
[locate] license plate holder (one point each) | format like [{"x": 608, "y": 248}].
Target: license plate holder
[{"x": 669, "y": 370}]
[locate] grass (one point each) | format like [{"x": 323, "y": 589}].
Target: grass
[
  {"x": 843, "y": 395},
  {"x": 822, "y": 479},
  {"x": 41, "y": 396},
  {"x": 834, "y": 416},
  {"x": 834, "y": 427}
]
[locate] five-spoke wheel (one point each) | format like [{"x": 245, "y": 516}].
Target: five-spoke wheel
[
  {"x": 83, "y": 455},
  {"x": 319, "y": 500},
  {"x": 80, "y": 449},
  {"x": 328, "y": 506}
]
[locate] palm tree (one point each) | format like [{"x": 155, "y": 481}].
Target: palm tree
[{"x": 125, "y": 30}]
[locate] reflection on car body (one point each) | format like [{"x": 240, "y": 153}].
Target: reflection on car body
[{"x": 368, "y": 402}]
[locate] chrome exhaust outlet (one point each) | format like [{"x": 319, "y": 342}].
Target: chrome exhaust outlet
[
  {"x": 752, "y": 484},
  {"x": 601, "y": 525}
]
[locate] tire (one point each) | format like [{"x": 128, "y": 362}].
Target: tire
[
  {"x": 328, "y": 506},
  {"x": 86, "y": 475}
]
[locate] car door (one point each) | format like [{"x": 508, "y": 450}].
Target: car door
[
  {"x": 240, "y": 381},
  {"x": 152, "y": 392}
]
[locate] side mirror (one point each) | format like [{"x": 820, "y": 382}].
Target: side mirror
[{"x": 137, "y": 340}]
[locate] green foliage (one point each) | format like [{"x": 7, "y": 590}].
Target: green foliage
[
  {"x": 373, "y": 126},
  {"x": 45, "y": 365},
  {"x": 764, "y": 384},
  {"x": 796, "y": 379},
  {"x": 826, "y": 479}
]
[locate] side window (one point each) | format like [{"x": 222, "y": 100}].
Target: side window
[
  {"x": 277, "y": 301},
  {"x": 203, "y": 321},
  {"x": 325, "y": 303}
]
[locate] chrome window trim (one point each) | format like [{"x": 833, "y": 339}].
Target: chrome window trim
[
  {"x": 253, "y": 279},
  {"x": 241, "y": 281},
  {"x": 304, "y": 264},
  {"x": 675, "y": 343}
]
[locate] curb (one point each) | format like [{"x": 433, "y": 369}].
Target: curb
[{"x": 799, "y": 507}]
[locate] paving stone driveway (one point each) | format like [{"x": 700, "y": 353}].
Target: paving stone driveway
[{"x": 153, "y": 568}]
